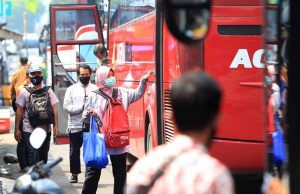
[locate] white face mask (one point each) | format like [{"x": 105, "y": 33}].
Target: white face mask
[{"x": 110, "y": 82}]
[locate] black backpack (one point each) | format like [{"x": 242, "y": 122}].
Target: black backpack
[{"x": 39, "y": 107}]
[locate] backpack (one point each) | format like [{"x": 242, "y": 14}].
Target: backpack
[
  {"x": 39, "y": 107},
  {"x": 115, "y": 125}
]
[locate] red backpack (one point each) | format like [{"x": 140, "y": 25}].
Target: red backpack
[{"x": 115, "y": 123}]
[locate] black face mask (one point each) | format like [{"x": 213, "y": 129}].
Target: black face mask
[
  {"x": 36, "y": 80},
  {"x": 84, "y": 80}
]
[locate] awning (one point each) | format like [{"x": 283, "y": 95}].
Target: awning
[{"x": 9, "y": 34}]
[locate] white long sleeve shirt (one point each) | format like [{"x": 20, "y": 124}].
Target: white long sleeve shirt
[{"x": 74, "y": 101}]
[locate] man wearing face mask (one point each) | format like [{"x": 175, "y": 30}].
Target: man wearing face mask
[
  {"x": 24, "y": 105},
  {"x": 74, "y": 101},
  {"x": 95, "y": 105},
  {"x": 184, "y": 165}
]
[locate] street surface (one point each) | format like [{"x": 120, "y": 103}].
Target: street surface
[{"x": 60, "y": 174}]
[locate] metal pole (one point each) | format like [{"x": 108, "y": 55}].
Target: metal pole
[
  {"x": 159, "y": 72},
  {"x": 279, "y": 44},
  {"x": 25, "y": 32},
  {"x": 4, "y": 10},
  {"x": 293, "y": 103}
]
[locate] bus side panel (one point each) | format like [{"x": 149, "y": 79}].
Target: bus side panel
[
  {"x": 178, "y": 59},
  {"x": 240, "y": 156},
  {"x": 234, "y": 60},
  {"x": 243, "y": 100}
]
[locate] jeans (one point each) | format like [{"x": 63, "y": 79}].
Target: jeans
[
  {"x": 44, "y": 149},
  {"x": 21, "y": 154},
  {"x": 92, "y": 176},
  {"x": 74, "y": 152},
  {"x": 35, "y": 155}
]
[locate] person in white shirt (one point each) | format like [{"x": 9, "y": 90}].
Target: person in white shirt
[{"x": 74, "y": 101}]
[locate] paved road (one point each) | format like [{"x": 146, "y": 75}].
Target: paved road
[{"x": 60, "y": 173}]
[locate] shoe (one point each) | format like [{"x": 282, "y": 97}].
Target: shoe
[{"x": 74, "y": 179}]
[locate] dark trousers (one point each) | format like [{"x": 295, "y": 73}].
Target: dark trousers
[
  {"x": 44, "y": 149},
  {"x": 74, "y": 152},
  {"x": 21, "y": 150},
  {"x": 21, "y": 154},
  {"x": 92, "y": 175},
  {"x": 35, "y": 155}
]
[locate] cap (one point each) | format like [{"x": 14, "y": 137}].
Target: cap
[{"x": 34, "y": 68}]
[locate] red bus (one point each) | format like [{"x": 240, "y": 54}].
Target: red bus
[{"x": 232, "y": 53}]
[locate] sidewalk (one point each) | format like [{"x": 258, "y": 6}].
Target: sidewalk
[
  {"x": 10, "y": 172},
  {"x": 60, "y": 173}
]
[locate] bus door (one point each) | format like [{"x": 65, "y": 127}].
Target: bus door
[{"x": 75, "y": 30}]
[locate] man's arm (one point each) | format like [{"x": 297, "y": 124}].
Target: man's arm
[
  {"x": 54, "y": 102},
  {"x": 73, "y": 108},
  {"x": 19, "y": 116},
  {"x": 55, "y": 125}
]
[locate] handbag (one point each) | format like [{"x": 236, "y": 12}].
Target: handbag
[
  {"x": 94, "y": 150},
  {"x": 279, "y": 152}
]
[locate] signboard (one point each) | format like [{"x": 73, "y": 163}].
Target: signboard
[{"x": 5, "y": 4}]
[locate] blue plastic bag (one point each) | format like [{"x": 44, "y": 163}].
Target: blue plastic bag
[
  {"x": 279, "y": 153},
  {"x": 94, "y": 150}
]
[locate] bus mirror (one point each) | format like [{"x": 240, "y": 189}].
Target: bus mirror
[{"x": 188, "y": 19}]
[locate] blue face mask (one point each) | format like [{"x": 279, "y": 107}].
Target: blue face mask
[
  {"x": 268, "y": 81},
  {"x": 110, "y": 82}
]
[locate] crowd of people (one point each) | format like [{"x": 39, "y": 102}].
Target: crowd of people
[
  {"x": 276, "y": 91},
  {"x": 195, "y": 99}
]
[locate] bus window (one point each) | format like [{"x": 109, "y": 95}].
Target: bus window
[
  {"x": 272, "y": 25},
  {"x": 124, "y": 11},
  {"x": 71, "y": 56},
  {"x": 70, "y": 22}
]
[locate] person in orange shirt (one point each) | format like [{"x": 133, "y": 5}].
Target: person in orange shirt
[
  {"x": 18, "y": 79},
  {"x": 25, "y": 83}
]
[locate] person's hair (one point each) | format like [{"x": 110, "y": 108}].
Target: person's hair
[
  {"x": 283, "y": 73},
  {"x": 99, "y": 48},
  {"x": 23, "y": 60},
  {"x": 83, "y": 66},
  {"x": 112, "y": 71},
  {"x": 195, "y": 99}
]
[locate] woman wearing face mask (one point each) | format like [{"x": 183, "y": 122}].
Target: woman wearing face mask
[{"x": 95, "y": 105}]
